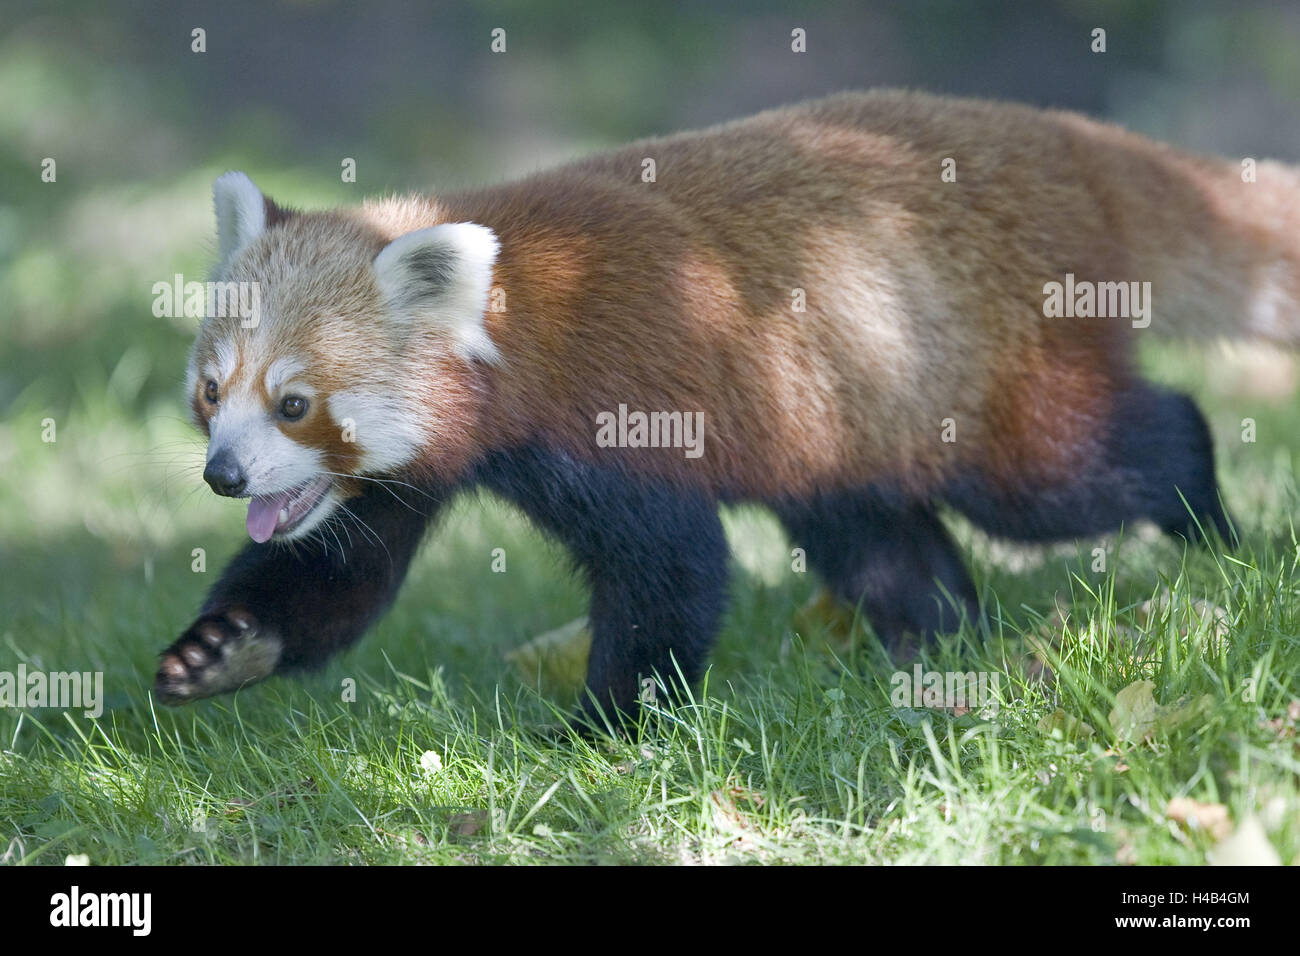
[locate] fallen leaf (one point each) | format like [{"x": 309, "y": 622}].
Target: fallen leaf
[
  {"x": 406, "y": 839},
  {"x": 1185, "y": 710},
  {"x": 1284, "y": 726},
  {"x": 283, "y": 798},
  {"x": 1136, "y": 715},
  {"x": 728, "y": 819},
  {"x": 1066, "y": 725},
  {"x": 556, "y": 660},
  {"x": 737, "y": 792},
  {"x": 1043, "y": 643},
  {"x": 1211, "y": 818},
  {"x": 825, "y": 614}
]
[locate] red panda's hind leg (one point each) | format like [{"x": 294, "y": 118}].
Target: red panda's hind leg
[
  {"x": 891, "y": 555},
  {"x": 1157, "y": 464},
  {"x": 1168, "y": 436}
]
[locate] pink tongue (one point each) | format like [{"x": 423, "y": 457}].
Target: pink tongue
[{"x": 263, "y": 513}]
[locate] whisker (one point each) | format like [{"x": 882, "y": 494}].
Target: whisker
[
  {"x": 384, "y": 483},
  {"x": 342, "y": 551},
  {"x": 362, "y": 525}
]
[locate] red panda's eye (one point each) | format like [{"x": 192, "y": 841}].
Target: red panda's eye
[
  {"x": 293, "y": 407},
  {"x": 211, "y": 392}
]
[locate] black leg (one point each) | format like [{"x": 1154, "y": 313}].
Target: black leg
[
  {"x": 1158, "y": 465},
  {"x": 1167, "y": 433},
  {"x": 889, "y": 553},
  {"x": 281, "y": 607},
  {"x": 655, "y": 557}
]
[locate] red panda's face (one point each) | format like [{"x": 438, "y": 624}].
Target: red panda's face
[
  {"x": 272, "y": 435},
  {"x": 341, "y": 365}
]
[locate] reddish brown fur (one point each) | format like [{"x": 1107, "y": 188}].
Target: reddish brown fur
[{"x": 676, "y": 294}]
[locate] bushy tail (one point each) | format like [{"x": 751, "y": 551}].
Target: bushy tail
[{"x": 1221, "y": 245}]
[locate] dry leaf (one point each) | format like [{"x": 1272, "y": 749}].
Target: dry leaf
[
  {"x": 728, "y": 819},
  {"x": 1211, "y": 818},
  {"x": 1134, "y": 714},
  {"x": 823, "y": 613},
  {"x": 1137, "y": 716},
  {"x": 1068, "y": 726},
  {"x": 283, "y": 798},
  {"x": 406, "y": 839},
  {"x": 558, "y": 657},
  {"x": 1184, "y": 711},
  {"x": 1284, "y": 726}
]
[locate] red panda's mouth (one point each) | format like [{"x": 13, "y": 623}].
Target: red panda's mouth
[{"x": 285, "y": 510}]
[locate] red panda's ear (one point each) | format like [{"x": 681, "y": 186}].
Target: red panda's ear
[
  {"x": 243, "y": 213},
  {"x": 442, "y": 276}
]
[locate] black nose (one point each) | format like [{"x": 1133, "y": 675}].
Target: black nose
[{"x": 224, "y": 475}]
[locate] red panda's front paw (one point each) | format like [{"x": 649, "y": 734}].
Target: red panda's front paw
[{"x": 219, "y": 652}]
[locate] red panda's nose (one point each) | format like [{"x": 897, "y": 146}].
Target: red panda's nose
[{"x": 224, "y": 475}]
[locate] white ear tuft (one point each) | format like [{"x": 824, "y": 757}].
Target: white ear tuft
[
  {"x": 241, "y": 213},
  {"x": 442, "y": 276}
]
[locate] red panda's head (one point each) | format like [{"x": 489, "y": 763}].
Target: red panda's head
[{"x": 337, "y": 347}]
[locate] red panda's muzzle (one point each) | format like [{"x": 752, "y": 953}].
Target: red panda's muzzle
[{"x": 268, "y": 514}]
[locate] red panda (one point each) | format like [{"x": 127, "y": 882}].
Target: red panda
[{"x": 857, "y": 301}]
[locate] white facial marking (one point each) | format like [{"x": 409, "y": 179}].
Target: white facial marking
[
  {"x": 387, "y": 430},
  {"x": 224, "y": 366},
  {"x": 217, "y": 370},
  {"x": 280, "y": 371}
]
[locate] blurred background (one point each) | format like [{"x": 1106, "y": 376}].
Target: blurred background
[{"x": 139, "y": 125}]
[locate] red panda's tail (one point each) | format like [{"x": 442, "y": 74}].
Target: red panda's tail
[{"x": 1223, "y": 251}]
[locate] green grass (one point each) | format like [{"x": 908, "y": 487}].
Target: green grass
[{"x": 791, "y": 752}]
